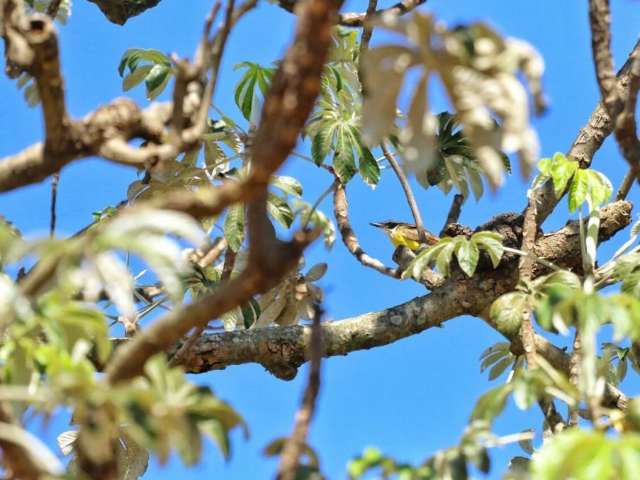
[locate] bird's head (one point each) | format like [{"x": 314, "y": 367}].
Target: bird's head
[{"x": 387, "y": 225}]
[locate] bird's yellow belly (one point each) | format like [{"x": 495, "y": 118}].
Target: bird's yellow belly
[{"x": 398, "y": 239}]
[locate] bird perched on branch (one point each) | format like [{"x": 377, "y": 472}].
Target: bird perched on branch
[{"x": 405, "y": 234}]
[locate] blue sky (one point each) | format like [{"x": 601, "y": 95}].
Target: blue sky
[{"x": 409, "y": 398}]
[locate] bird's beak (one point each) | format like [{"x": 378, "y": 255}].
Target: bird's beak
[{"x": 377, "y": 224}]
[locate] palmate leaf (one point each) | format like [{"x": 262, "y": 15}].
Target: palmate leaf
[
  {"x": 467, "y": 252},
  {"x": 583, "y": 184},
  {"x": 246, "y": 95},
  {"x": 344, "y": 162}
]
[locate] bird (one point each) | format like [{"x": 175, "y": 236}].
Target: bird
[{"x": 405, "y": 234}]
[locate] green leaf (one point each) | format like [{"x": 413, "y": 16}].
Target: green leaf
[
  {"x": 136, "y": 77},
  {"x": 491, "y": 244},
  {"x": 157, "y": 80},
  {"x": 234, "y": 226},
  {"x": 343, "y": 161},
  {"x": 499, "y": 368},
  {"x": 467, "y": 254},
  {"x": 578, "y": 190},
  {"x": 321, "y": 145},
  {"x": 280, "y": 210},
  {"x": 369, "y": 168},
  {"x": 245, "y": 95},
  {"x": 562, "y": 169},
  {"x": 443, "y": 260},
  {"x": 575, "y": 454},
  {"x": 600, "y": 187},
  {"x": 288, "y": 185},
  {"x": 425, "y": 258}
]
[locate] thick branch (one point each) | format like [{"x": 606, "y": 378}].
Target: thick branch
[{"x": 283, "y": 349}]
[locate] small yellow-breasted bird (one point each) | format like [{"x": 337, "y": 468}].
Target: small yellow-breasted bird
[{"x": 406, "y": 234}]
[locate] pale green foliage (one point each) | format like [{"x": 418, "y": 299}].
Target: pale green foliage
[
  {"x": 585, "y": 455},
  {"x": 479, "y": 71},
  {"x": 158, "y": 412},
  {"x": 584, "y": 185},
  {"x": 466, "y": 250}
]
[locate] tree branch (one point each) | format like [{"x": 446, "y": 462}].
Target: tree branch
[
  {"x": 357, "y": 19},
  {"x": 454, "y": 212},
  {"x": 283, "y": 349},
  {"x": 589, "y": 139},
  {"x": 411, "y": 199},
  {"x": 599, "y": 21}
]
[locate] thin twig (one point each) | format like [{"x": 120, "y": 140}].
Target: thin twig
[
  {"x": 357, "y": 19},
  {"x": 599, "y": 21},
  {"x": 627, "y": 183},
  {"x": 454, "y": 212},
  {"x": 367, "y": 31},
  {"x": 55, "y": 180},
  {"x": 294, "y": 445},
  {"x": 411, "y": 200}
]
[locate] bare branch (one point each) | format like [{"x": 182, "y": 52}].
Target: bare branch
[
  {"x": 367, "y": 31},
  {"x": 411, "y": 199},
  {"x": 621, "y": 109},
  {"x": 349, "y": 238},
  {"x": 283, "y": 349},
  {"x": 357, "y": 19},
  {"x": 454, "y": 212},
  {"x": 600, "y": 20}
]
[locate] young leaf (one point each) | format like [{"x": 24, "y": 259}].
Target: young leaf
[
  {"x": 578, "y": 190},
  {"x": 467, "y": 254},
  {"x": 490, "y": 242}
]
